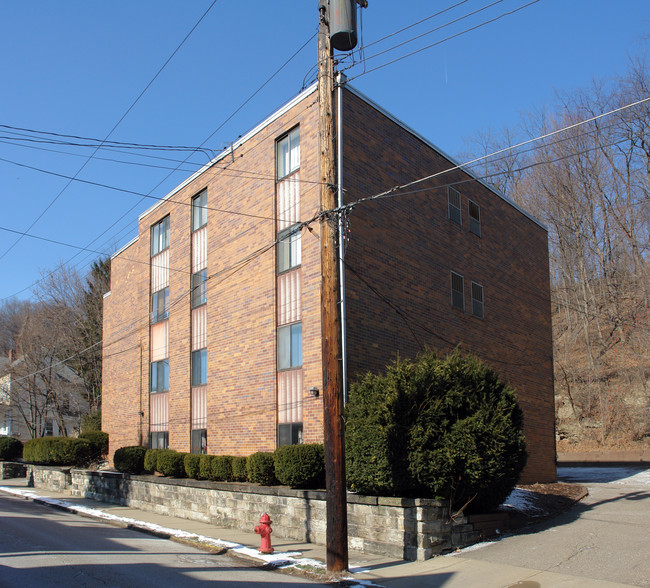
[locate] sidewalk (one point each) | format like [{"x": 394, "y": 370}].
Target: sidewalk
[{"x": 453, "y": 571}]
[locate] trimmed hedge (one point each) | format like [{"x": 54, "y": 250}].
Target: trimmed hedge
[
  {"x": 63, "y": 451},
  {"x": 439, "y": 428},
  {"x": 205, "y": 467},
  {"x": 151, "y": 460},
  {"x": 300, "y": 466},
  {"x": 192, "y": 461},
  {"x": 130, "y": 460},
  {"x": 261, "y": 469},
  {"x": 239, "y": 469},
  {"x": 222, "y": 468},
  {"x": 170, "y": 463},
  {"x": 99, "y": 440},
  {"x": 10, "y": 448}
]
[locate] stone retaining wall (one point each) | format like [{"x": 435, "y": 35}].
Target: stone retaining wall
[
  {"x": 403, "y": 528},
  {"x": 10, "y": 469}
]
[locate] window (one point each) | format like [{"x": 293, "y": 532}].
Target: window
[
  {"x": 199, "y": 441},
  {"x": 289, "y": 248},
  {"x": 160, "y": 305},
  {"x": 160, "y": 236},
  {"x": 288, "y": 153},
  {"x": 457, "y": 291},
  {"x": 477, "y": 300},
  {"x": 474, "y": 218},
  {"x": 199, "y": 210},
  {"x": 290, "y": 346},
  {"x": 199, "y": 367},
  {"x": 289, "y": 434},
  {"x": 49, "y": 428},
  {"x": 199, "y": 288},
  {"x": 159, "y": 440},
  {"x": 453, "y": 200},
  {"x": 160, "y": 376}
]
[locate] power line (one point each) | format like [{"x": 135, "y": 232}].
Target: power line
[{"x": 112, "y": 130}]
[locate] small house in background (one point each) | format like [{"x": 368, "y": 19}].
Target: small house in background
[
  {"x": 40, "y": 399},
  {"x": 212, "y": 327}
]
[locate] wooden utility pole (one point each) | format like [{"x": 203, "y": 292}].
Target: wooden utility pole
[{"x": 336, "y": 500}]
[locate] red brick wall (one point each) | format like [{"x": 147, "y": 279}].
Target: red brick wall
[
  {"x": 405, "y": 248},
  {"x": 241, "y": 303}
]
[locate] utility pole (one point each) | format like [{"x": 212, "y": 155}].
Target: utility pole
[{"x": 336, "y": 500}]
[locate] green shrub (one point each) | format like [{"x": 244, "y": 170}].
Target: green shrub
[
  {"x": 151, "y": 460},
  {"x": 191, "y": 461},
  {"x": 63, "y": 451},
  {"x": 222, "y": 468},
  {"x": 240, "y": 469},
  {"x": 439, "y": 428},
  {"x": 261, "y": 469},
  {"x": 205, "y": 467},
  {"x": 91, "y": 422},
  {"x": 129, "y": 460},
  {"x": 300, "y": 466},
  {"x": 170, "y": 463},
  {"x": 10, "y": 448},
  {"x": 99, "y": 441}
]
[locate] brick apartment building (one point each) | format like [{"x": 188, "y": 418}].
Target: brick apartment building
[{"x": 213, "y": 333}]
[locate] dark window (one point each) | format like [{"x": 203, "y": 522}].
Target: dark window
[
  {"x": 49, "y": 428},
  {"x": 160, "y": 305},
  {"x": 453, "y": 200},
  {"x": 290, "y": 346},
  {"x": 199, "y": 210},
  {"x": 457, "y": 291},
  {"x": 199, "y": 441},
  {"x": 477, "y": 300},
  {"x": 474, "y": 218},
  {"x": 160, "y": 376},
  {"x": 160, "y": 236},
  {"x": 159, "y": 440},
  {"x": 288, "y": 153},
  {"x": 199, "y": 367},
  {"x": 290, "y": 434},
  {"x": 199, "y": 288},
  {"x": 289, "y": 248}
]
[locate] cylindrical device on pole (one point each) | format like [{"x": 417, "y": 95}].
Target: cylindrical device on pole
[{"x": 343, "y": 24}]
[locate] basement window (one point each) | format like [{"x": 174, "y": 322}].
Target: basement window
[
  {"x": 289, "y": 434},
  {"x": 199, "y": 441},
  {"x": 159, "y": 440}
]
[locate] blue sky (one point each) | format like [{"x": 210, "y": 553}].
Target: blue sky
[{"x": 76, "y": 67}]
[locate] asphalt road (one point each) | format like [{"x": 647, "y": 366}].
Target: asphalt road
[
  {"x": 44, "y": 547},
  {"x": 605, "y": 537}
]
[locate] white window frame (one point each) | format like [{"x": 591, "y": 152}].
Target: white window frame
[{"x": 288, "y": 154}]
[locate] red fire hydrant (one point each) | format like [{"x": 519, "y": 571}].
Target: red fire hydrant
[{"x": 264, "y": 531}]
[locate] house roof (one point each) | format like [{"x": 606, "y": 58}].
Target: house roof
[{"x": 296, "y": 100}]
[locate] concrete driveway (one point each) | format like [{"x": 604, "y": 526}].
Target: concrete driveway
[{"x": 604, "y": 541}]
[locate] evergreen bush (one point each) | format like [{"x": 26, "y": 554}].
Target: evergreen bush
[
  {"x": 261, "y": 469},
  {"x": 222, "y": 468},
  {"x": 300, "y": 466},
  {"x": 151, "y": 460},
  {"x": 191, "y": 461},
  {"x": 170, "y": 463},
  {"x": 130, "y": 459},
  {"x": 205, "y": 467},
  {"x": 99, "y": 441},
  {"x": 91, "y": 422},
  {"x": 435, "y": 428},
  {"x": 240, "y": 469},
  {"x": 10, "y": 448},
  {"x": 58, "y": 451}
]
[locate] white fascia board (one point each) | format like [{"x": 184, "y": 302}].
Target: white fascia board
[
  {"x": 273, "y": 117},
  {"x": 445, "y": 155},
  {"x": 124, "y": 247}
]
